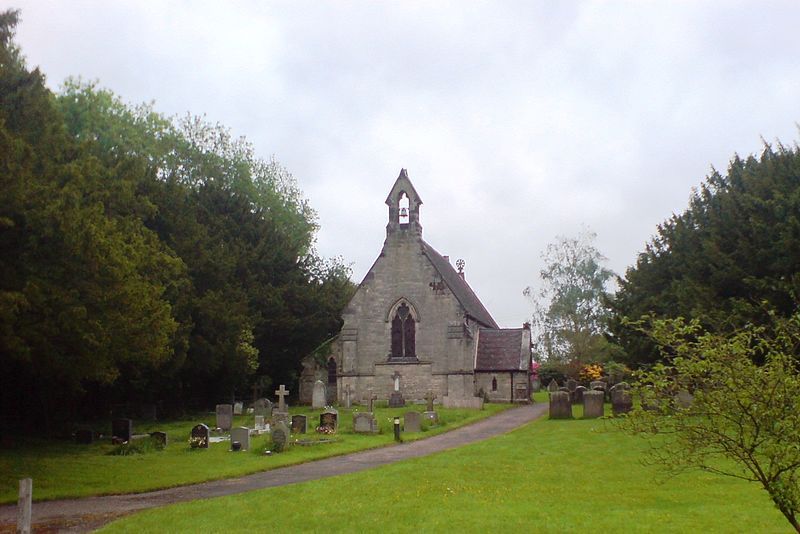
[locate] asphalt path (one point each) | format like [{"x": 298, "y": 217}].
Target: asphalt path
[{"x": 89, "y": 513}]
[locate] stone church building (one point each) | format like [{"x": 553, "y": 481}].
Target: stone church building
[{"x": 414, "y": 325}]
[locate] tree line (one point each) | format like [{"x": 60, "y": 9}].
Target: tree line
[{"x": 144, "y": 258}]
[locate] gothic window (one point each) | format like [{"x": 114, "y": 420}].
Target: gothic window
[
  {"x": 331, "y": 371},
  {"x": 494, "y": 383},
  {"x": 403, "y": 334}
]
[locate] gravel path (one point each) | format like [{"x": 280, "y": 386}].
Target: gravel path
[{"x": 86, "y": 514}]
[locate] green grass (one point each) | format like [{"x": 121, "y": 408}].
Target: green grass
[
  {"x": 549, "y": 476},
  {"x": 61, "y": 469}
]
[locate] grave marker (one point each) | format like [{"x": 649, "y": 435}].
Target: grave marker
[
  {"x": 242, "y": 435},
  {"x": 364, "y": 423},
  {"x": 318, "y": 396},
  {"x": 552, "y": 386},
  {"x": 560, "y": 406},
  {"x": 280, "y": 437},
  {"x": 411, "y": 422},
  {"x": 224, "y": 416},
  {"x": 299, "y": 424},
  {"x": 122, "y": 429},
  {"x": 593, "y": 404},
  {"x": 237, "y": 408},
  {"x": 200, "y": 437},
  {"x": 328, "y": 421}
]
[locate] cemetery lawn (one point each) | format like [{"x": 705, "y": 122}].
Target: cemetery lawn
[
  {"x": 548, "y": 476},
  {"x": 62, "y": 469}
]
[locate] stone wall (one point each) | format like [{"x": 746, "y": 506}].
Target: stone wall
[{"x": 521, "y": 393}]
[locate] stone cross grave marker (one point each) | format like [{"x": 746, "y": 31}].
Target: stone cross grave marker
[
  {"x": 430, "y": 397},
  {"x": 371, "y": 398},
  {"x": 282, "y": 392},
  {"x": 200, "y": 436},
  {"x": 411, "y": 422},
  {"x": 299, "y": 424},
  {"x": 280, "y": 437},
  {"x": 318, "y": 396},
  {"x": 224, "y": 416},
  {"x": 122, "y": 429},
  {"x": 242, "y": 435},
  {"x": 347, "y": 393}
]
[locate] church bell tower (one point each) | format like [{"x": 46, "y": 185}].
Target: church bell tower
[{"x": 404, "y": 203}]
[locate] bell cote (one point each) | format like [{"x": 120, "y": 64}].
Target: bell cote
[{"x": 404, "y": 203}]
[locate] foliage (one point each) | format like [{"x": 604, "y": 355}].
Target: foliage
[
  {"x": 744, "y": 421},
  {"x": 549, "y": 371},
  {"x": 144, "y": 258},
  {"x": 735, "y": 248},
  {"x": 591, "y": 372},
  {"x": 569, "y": 310}
]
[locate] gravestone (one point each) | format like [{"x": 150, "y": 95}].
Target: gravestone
[
  {"x": 411, "y": 422},
  {"x": 593, "y": 404},
  {"x": 84, "y": 436},
  {"x": 571, "y": 384},
  {"x": 224, "y": 416},
  {"x": 242, "y": 435},
  {"x": 577, "y": 395},
  {"x": 684, "y": 399},
  {"x": 122, "y": 429},
  {"x": 597, "y": 384},
  {"x": 200, "y": 437},
  {"x": 430, "y": 414},
  {"x": 328, "y": 421},
  {"x": 160, "y": 439},
  {"x": 282, "y": 392},
  {"x": 280, "y": 437},
  {"x": 318, "y": 396},
  {"x": 259, "y": 423},
  {"x": 364, "y": 423},
  {"x": 263, "y": 407},
  {"x": 299, "y": 424},
  {"x": 560, "y": 406},
  {"x": 621, "y": 401},
  {"x": 552, "y": 386},
  {"x": 621, "y": 385},
  {"x": 237, "y": 408},
  {"x": 371, "y": 398},
  {"x": 348, "y": 392},
  {"x": 396, "y": 399}
]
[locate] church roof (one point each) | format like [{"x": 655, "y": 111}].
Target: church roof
[
  {"x": 506, "y": 349},
  {"x": 459, "y": 287}
]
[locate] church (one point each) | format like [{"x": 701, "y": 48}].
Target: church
[{"x": 415, "y": 326}]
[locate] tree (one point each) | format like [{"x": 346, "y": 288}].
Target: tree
[
  {"x": 736, "y": 246},
  {"x": 569, "y": 309},
  {"x": 744, "y": 419}
]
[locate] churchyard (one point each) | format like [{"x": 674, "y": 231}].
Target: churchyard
[
  {"x": 551, "y": 475},
  {"x": 62, "y": 468}
]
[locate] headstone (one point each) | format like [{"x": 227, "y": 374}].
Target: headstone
[
  {"x": 411, "y": 422},
  {"x": 430, "y": 414},
  {"x": 552, "y": 386},
  {"x": 122, "y": 429},
  {"x": 429, "y": 398},
  {"x": 84, "y": 436},
  {"x": 281, "y": 416},
  {"x": 371, "y": 398},
  {"x": 318, "y": 396},
  {"x": 597, "y": 384},
  {"x": 396, "y": 400},
  {"x": 571, "y": 384},
  {"x": 299, "y": 424},
  {"x": 328, "y": 421},
  {"x": 621, "y": 401},
  {"x": 242, "y": 435},
  {"x": 237, "y": 408},
  {"x": 560, "y": 406},
  {"x": 364, "y": 423},
  {"x": 348, "y": 392},
  {"x": 282, "y": 392},
  {"x": 577, "y": 395},
  {"x": 263, "y": 407},
  {"x": 160, "y": 438},
  {"x": 621, "y": 385},
  {"x": 593, "y": 404},
  {"x": 200, "y": 437},
  {"x": 224, "y": 416},
  {"x": 684, "y": 399},
  {"x": 259, "y": 423},
  {"x": 280, "y": 437}
]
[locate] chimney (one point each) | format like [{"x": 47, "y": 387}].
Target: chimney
[{"x": 526, "y": 325}]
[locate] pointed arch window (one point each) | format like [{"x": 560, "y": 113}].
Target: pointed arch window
[
  {"x": 331, "y": 371},
  {"x": 404, "y": 333}
]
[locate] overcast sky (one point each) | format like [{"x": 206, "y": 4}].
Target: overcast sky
[{"x": 517, "y": 121}]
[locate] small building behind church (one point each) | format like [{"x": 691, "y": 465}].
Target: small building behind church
[{"x": 415, "y": 326}]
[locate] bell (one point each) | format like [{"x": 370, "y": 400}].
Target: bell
[{"x": 404, "y": 212}]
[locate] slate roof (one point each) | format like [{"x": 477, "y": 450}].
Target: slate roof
[
  {"x": 459, "y": 287},
  {"x": 506, "y": 349}
]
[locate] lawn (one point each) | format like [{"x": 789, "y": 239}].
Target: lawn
[
  {"x": 549, "y": 476},
  {"x": 61, "y": 469}
]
